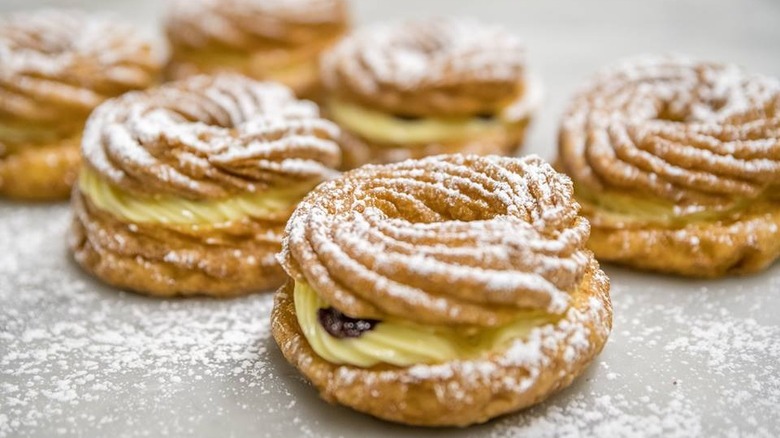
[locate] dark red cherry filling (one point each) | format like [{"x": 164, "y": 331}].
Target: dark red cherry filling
[
  {"x": 487, "y": 117},
  {"x": 407, "y": 117},
  {"x": 342, "y": 326}
]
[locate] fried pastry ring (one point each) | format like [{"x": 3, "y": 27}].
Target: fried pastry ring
[
  {"x": 186, "y": 188},
  {"x": 278, "y": 40},
  {"x": 677, "y": 165},
  {"x": 419, "y": 88},
  {"x": 55, "y": 67},
  {"x": 441, "y": 292}
]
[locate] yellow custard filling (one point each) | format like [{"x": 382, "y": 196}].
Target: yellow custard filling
[
  {"x": 385, "y": 128},
  {"x": 168, "y": 209},
  {"x": 404, "y": 343},
  {"x": 258, "y": 66},
  {"x": 294, "y": 74},
  {"x": 621, "y": 208}
]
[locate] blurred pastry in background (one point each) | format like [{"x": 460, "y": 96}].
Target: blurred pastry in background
[
  {"x": 276, "y": 40},
  {"x": 444, "y": 291},
  {"x": 676, "y": 163},
  {"x": 186, "y": 188},
  {"x": 55, "y": 67},
  {"x": 426, "y": 87}
]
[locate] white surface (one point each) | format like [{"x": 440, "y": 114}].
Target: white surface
[{"x": 686, "y": 358}]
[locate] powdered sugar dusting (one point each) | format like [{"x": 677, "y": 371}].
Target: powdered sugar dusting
[
  {"x": 69, "y": 345},
  {"x": 713, "y": 371},
  {"x": 685, "y": 359}
]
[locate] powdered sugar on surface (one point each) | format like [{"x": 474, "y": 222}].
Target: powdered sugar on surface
[
  {"x": 70, "y": 347},
  {"x": 698, "y": 366},
  {"x": 685, "y": 359}
]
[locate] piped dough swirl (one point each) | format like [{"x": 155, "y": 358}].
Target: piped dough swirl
[
  {"x": 210, "y": 137},
  {"x": 56, "y": 66},
  {"x": 246, "y": 25},
  {"x": 695, "y": 134},
  {"x": 451, "y": 240},
  {"x": 442, "y": 67}
]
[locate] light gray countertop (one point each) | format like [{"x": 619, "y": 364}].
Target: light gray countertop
[{"x": 686, "y": 357}]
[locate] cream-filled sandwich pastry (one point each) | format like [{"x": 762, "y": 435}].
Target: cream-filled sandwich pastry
[
  {"x": 426, "y": 87},
  {"x": 441, "y": 292},
  {"x": 186, "y": 188},
  {"x": 676, "y": 163},
  {"x": 56, "y": 66}
]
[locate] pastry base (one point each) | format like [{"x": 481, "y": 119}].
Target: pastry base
[
  {"x": 228, "y": 261},
  {"x": 744, "y": 244},
  {"x": 358, "y": 151},
  {"x": 41, "y": 172},
  {"x": 463, "y": 392}
]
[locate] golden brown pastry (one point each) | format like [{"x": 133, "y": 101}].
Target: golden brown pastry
[
  {"x": 278, "y": 40},
  {"x": 676, "y": 163},
  {"x": 186, "y": 188},
  {"x": 441, "y": 292},
  {"x": 419, "y": 88},
  {"x": 55, "y": 67}
]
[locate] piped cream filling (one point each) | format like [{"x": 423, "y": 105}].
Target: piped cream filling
[
  {"x": 615, "y": 208},
  {"x": 168, "y": 209},
  {"x": 404, "y": 343},
  {"x": 294, "y": 75},
  {"x": 381, "y": 127}
]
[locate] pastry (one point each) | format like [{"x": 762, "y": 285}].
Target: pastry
[
  {"x": 676, "y": 163},
  {"x": 55, "y": 67},
  {"x": 186, "y": 188},
  {"x": 279, "y": 40},
  {"x": 418, "y": 88},
  {"x": 443, "y": 291}
]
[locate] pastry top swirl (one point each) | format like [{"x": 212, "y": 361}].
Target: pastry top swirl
[
  {"x": 700, "y": 135},
  {"x": 210, "y": 137},
  {"x": 249, "y": 25},
  {"x": 58, "y": 65},
  {"x": 449, "y": 67},
  {"x": 450, "y": 240}
]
